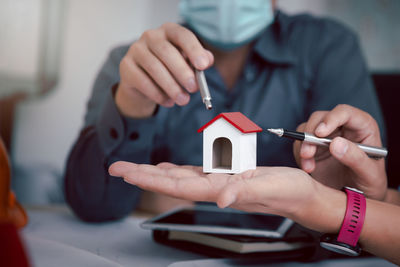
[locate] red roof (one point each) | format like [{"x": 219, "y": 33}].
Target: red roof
[{"x": 237, "y": 119}]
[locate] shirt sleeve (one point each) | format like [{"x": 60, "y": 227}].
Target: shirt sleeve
[
  {"x": 106, "y": 137},
  {"x": 340, "y": 73}
]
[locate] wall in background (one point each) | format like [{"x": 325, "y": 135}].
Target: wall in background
[
  {"x": 47, "y": 127},
  {"x": 19, "y": 35},
  {"x": 377, "y": 23},
  {"x": 23, "y": 34}
]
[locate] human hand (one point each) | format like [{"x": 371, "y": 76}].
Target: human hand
[
  {"x": 343, "y": 163},
  {"x": 283, "y": 191},
  {"x": 155, "y": 70}
]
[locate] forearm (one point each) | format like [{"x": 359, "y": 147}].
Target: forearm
[
  {"x": 92, "y": 194},
  {"x": 380, "y": 234}
]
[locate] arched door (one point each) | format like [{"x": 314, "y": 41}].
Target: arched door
[{"x": 222, "y": 153}]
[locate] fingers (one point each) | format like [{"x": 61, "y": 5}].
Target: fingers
[
  {"x": 371, "y": 177},
  {"x": 304, "y": 153},
  {"x": 129, "y": 170},
  {"x": 143, "y": 83},
  {"x": 350, "y": 118},
  {"x": 308, "y": 165},
  {"x": 339, "y": 116},
  {"x": 176, "y": 64},
  {"x": 155, "y": 65},
  {"x": 196, "y": 169},
  {"x": 159, "y": 74},
  {"x": 307, "y": 151},
  {"x": 183, "y": 172},
  {"x": 125, "y": 169},
  {"x": 349, "y": 154},
  {"x": 210, "y": 57},
  {"x": 355, "y": 124},
  {"x": 301, "y": 149},
  {"x": 189, "y": 44},
  {"x": 147, "y": 177},
  {"x": 314, "y": 121},
  {"x": 297, "y": 145},
  {"x": 181, "y": 182}
]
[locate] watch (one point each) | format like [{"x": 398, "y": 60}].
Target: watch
[{"x": 346, "y": 241}]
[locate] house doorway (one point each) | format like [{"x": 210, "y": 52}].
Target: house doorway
[{"x": 222, "y": 153}]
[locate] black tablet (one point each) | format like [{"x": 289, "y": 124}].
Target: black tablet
[{"x": 211, "y": 219}]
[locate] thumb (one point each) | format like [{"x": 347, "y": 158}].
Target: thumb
[
  {"x": 349, "y": 154},
  {"x": 228, "y": 196}
]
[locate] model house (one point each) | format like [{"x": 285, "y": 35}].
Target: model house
[{"x": 229, "y": 143}]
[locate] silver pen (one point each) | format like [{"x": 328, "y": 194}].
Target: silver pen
[
  {"x": 372, "y": 151},
  {"x": 205, "y": 93}
]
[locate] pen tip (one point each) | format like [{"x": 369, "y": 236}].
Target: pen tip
[
  {"x": 208, "y": 105},
  {"x": 278, "y": 132}
]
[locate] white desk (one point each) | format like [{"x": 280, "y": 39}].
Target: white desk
[{"x": 54, "y": 237}]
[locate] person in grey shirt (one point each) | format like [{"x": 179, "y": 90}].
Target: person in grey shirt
[{"x": 145, "y": 106}]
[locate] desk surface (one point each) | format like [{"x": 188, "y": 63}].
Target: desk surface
[{"x": 54, "y": 237}]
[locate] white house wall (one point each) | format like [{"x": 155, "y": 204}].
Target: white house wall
[
  {"x": 220, "y": 128},
  {"x": 248, "y": 151},
  {"x": 244, "y": 147}
]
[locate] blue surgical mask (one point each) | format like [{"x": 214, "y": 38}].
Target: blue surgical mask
[{"x": 227, "y": 24}]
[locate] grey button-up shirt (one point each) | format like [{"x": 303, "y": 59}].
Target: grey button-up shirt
[{"x": 298, "y": 65}]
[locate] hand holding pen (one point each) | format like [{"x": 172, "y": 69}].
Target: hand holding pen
[
  {"x": 343, "y": 162},
  {"x": 157, "y": 69}
]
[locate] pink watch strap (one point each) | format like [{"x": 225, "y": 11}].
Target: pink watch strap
[{"x": 354, "y": 217}]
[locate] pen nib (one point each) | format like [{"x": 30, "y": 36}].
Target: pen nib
[
  {"x": 207, "y": 103},
  {"x": 278, "y": 132}
]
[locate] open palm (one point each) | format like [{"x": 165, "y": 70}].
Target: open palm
[{"x": 277, "y": 190}]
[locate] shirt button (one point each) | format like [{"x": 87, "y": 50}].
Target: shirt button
[
  {"x": 113, "y": 133},
  {"x": 134, "y": 136}
]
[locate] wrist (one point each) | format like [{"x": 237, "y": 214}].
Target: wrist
[
  {"x": 324, "y": 211},
  {"x": 333, "y": 205},
  {"x": 346, "y": 242},
  {"x": 133, "y": 104}
]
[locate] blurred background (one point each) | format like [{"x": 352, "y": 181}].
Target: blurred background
[{"x": 51, "y": 51}]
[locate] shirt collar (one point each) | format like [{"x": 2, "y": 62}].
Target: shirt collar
[{"x": 272, "y": 45}]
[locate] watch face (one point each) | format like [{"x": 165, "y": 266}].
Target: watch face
[
  {"x": 339, "y": 249},
  {"x": 329, "y": 242}
]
